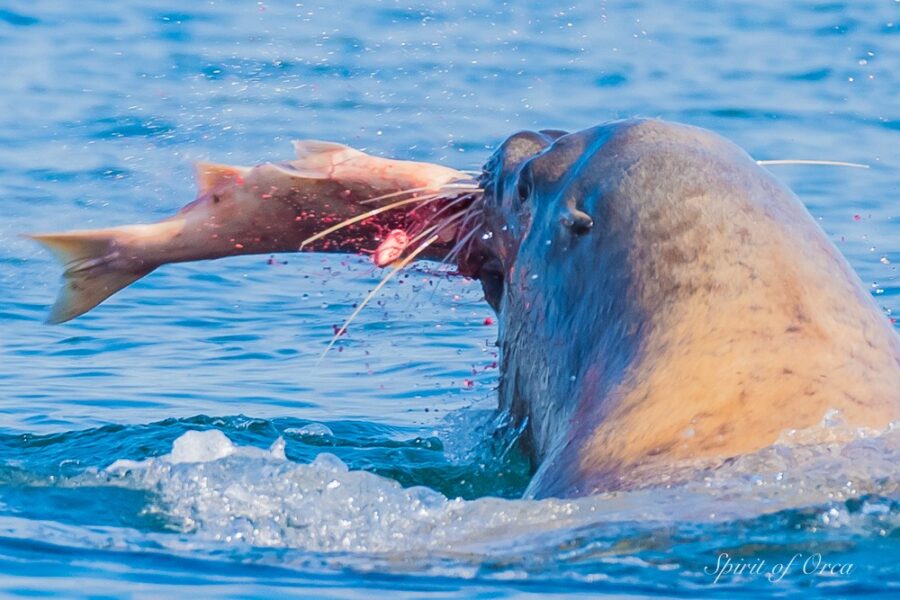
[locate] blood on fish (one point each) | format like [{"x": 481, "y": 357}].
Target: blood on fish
[{"x": 391, "y": 248}]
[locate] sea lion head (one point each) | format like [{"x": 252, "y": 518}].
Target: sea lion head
[
  {"x": 551, "y": 262},
  {"x": 640, "y": 271}
]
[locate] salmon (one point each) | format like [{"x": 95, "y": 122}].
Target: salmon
[{"x": 269, "y": 208}]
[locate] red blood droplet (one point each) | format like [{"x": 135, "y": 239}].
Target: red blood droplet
[
  {"x": 488, "y": 321},
  {"x": 239, "y": 180},
  {"x": 468, "y": 383},
  {"x": 857, "y": 217}
]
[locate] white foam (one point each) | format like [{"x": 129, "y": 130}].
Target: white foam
[
  {"x": 201, "y": 446},
  {"x": 221, "y": 493}
]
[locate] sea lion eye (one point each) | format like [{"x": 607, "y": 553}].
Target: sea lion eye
[{"x": 216, "y": 199}]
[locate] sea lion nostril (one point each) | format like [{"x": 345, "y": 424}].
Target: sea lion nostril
[{"x": 523, "y": 189}]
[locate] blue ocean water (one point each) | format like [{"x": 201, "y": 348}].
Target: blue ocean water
[{"x": 182, "y": 439}]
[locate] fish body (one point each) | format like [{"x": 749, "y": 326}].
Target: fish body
[{"x": 269, "y": 208}]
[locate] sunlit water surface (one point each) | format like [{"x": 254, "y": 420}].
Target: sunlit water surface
[{"x": 183, "y": 438}]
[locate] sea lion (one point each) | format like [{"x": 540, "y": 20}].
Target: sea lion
[{"x": 662, "y": 299}]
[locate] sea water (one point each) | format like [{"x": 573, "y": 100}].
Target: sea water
[{"x": 183, "y": 439}]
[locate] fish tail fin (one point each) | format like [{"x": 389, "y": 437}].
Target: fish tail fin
[{"x": 94, "y": 271}]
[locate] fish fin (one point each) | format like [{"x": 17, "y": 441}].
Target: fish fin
[
  {"x": 311, "y": 148},
  {"x": 298, "y": 170},
  {"x": 323, "y": 157},
  {"x": 211, "y": 175},
  {"x": 91, "y": 274}
]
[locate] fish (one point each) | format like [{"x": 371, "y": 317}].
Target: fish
[{"x": 330, "y": 198}]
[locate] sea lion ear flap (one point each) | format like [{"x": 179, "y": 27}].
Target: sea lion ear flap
[{"x": 211, "y": 175}]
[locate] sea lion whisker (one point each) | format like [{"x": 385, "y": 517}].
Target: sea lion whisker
[
  {"x": 438, "y": 226},
  {"x": 396, "y": 242},
  {"x": 395, "y": 268},
  {"x": 472, "y": 209},
  {"x": 414, "y": 190},
  {"x": 357, "y": 219},
  {"x": 461, "y": 186},
  {"x": 434, "y": 198},
  {"x": 471, "y": 213},
  {"x": 802, "y": 161},
  {"x": 451, "y": 256},
  {"x": 454, "y": 193},
  {"x": 454, "y": 252},
  {"x": 452, "y": 202},
  {"x": 424, "y": 233}
]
